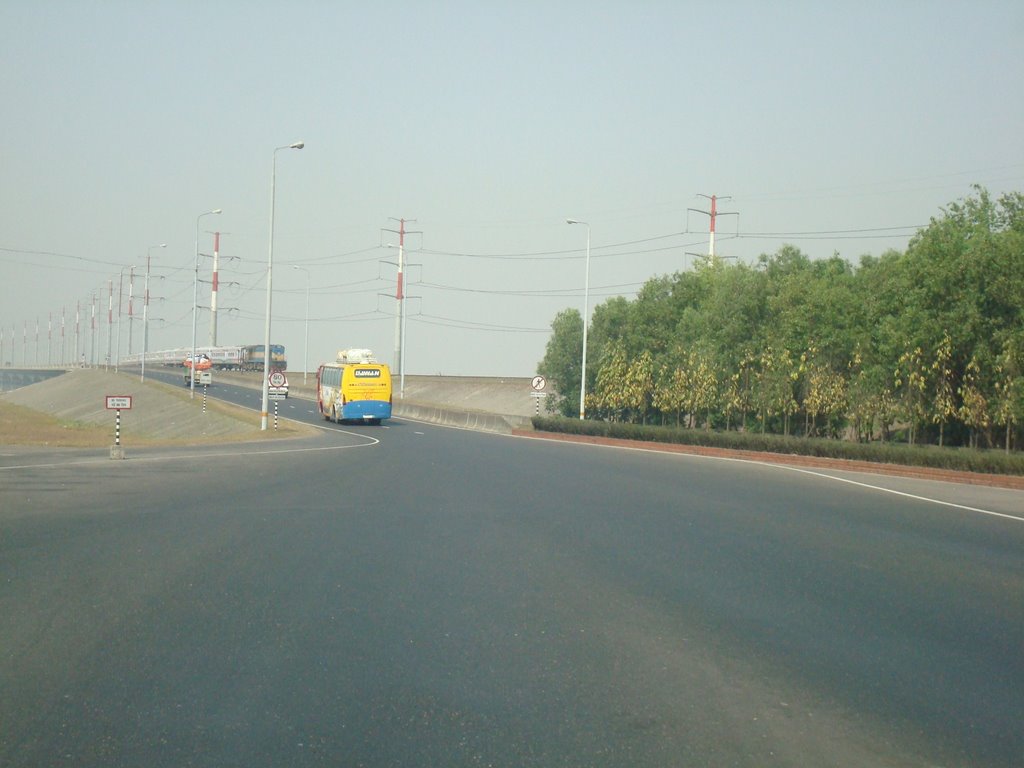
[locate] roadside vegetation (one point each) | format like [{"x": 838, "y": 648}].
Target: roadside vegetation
[
  {"x": 23, "y": 426},
  {"x": 961, "y": 459},
  {"x": 910, "y": 349}
]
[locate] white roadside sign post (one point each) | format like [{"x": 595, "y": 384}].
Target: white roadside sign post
[
  {"x": 118, "y": 403},
  {"x": 277, "y": 389},
  {"x": 538, "y": 393}
]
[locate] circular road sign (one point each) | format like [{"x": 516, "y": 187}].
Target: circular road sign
[
  {"x": 538, "y": 383},
  {"x": 277, "y": 379}
]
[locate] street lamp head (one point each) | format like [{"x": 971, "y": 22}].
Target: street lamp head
[
  {"x": 297, "y": 145},
  {"x": 574, "y": 221},
  {"x": 216, "y": 210}
]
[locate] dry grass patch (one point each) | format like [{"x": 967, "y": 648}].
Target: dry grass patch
[{"x": 23, "y": 426}]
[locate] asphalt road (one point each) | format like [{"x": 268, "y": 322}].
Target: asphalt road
[{"x": 411, "y": 595}]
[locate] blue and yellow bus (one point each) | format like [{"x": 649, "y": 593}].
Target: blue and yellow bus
[{"x": 356, "y": 388}]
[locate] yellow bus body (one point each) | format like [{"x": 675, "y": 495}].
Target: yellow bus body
[{"x": 354, "y": 392}]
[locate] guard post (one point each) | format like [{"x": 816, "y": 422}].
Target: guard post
[{"x": 118, "y": 403}]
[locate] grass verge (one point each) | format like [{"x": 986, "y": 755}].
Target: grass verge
[{"x": 23, "y": 426}]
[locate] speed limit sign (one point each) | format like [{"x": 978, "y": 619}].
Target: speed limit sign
[{"x": 277, "y": 379}]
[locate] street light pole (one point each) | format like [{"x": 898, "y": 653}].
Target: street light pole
[
  {"x": 145, "y": 311},
  {"x": 195, "y": 308},
  {"x": 586, "y": 311},
  {"x": 305, "y": 347},
  {"x": 265, "y": 406}
]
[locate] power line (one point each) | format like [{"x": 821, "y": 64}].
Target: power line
[
  {"x": 544, "y": 292},
  {"x": 471, "y": 326},
  {"x": 59, "y": 255}
]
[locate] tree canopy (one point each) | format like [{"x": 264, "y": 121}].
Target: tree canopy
[{"x": 926, "y": 344}]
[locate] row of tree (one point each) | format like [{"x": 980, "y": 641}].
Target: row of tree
[{"x": 926, "y": 345}]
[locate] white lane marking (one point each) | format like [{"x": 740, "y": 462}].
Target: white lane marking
[
  {"x": 914, "y": 496},
  {"x": 200, "y": 454},
  {"x": 927, "y": 499}
]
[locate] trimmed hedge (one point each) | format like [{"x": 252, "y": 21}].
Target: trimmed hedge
[{"x": 959, "y": 459}]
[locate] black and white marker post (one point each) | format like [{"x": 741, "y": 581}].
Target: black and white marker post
[
  {"x": 538, "y": 392},
  {"x": 118, "y": 403}
]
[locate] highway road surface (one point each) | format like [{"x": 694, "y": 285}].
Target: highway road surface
[{"x": 410, "y": 595}]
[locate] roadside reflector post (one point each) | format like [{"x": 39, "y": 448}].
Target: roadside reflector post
[
  {"x": 205, "y": 387},
  {"x": 117, "y": 403},
  {"x": 275, "y": 415}
]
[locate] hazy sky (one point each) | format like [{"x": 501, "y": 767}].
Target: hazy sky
[{"x": 834, "y": 127}]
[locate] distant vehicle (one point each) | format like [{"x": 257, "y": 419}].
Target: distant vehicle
[
  {"x": 203, "y": 362},
  {"x": 203, "y": 377},
  {"x": 252, "y": 357},
  {"x": 247, "y": 358},
  {"x": 355, "y": 388}
]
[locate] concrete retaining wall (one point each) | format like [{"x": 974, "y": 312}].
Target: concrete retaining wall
[{"x": 453, "y": 417}]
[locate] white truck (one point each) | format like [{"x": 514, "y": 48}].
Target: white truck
[{"x": 203, "y": 378}]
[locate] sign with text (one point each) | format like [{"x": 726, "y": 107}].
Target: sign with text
[{"x": 119, "y": 402}]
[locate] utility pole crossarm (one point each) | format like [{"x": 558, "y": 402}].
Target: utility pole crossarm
[{"x": 713, "y": 214}]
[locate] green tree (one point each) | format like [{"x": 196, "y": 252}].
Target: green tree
[
  {"x": 825, "y": 390},
  {"x": 974, "y": 405},
  {"x": 737, "y": 397},
  {"x": 1009, "y": 390},
  {"x": 639, "y": 386},
  {"x": 773, "y": 386},
  {"x": 956, "y": 292},
  {"x": 910, "y": 382},
  {"x": 610, "y": 398},
  {"x": 562, "y": 363},
  {"x": 671, "y": 391},
  {"x": 944, "y": 405},
  {"x": 703, "y": 395}
]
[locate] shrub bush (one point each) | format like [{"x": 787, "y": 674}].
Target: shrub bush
[{"x": 960, "y": 459}]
